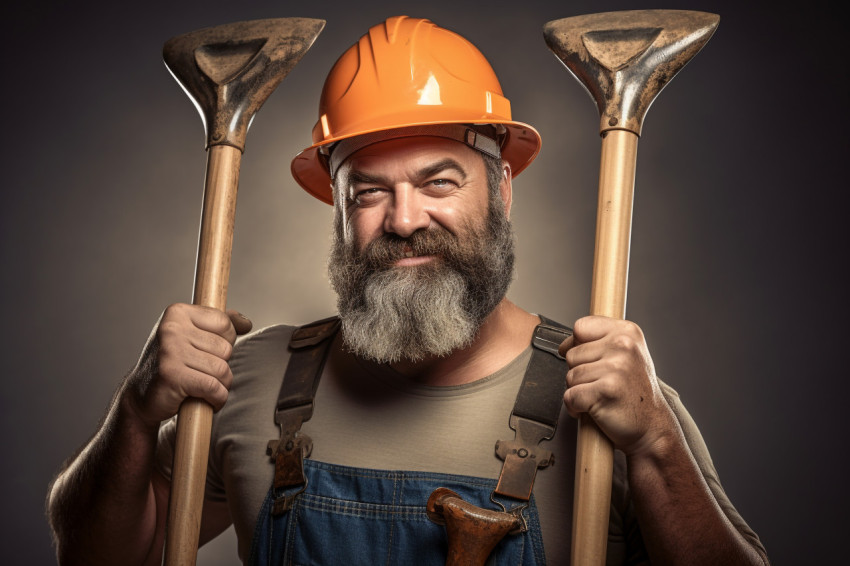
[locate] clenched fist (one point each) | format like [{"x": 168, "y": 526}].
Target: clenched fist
[
  {"x": 612, "y": 378},
  {"x": 186, "y": 356}
]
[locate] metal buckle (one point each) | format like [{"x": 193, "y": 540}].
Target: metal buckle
[
  {"x": 522, "y": 457},
  {"x": 288, "y": 453}
]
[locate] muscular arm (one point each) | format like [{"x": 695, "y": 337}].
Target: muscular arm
[
  {"x": 680, "y": 518},
  {"x": 613, "y": 379},
  {"x": 109, "y": 504}
]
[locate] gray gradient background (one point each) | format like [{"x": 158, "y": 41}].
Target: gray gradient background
[{"x": 738, "y": 241}]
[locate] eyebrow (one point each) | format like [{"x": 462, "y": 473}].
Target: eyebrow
[
  {"x": 442, "y": 165},
  {"x": 357, "y": 177}
]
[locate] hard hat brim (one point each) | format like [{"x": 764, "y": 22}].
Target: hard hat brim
[{"x": 309, "y": 168}]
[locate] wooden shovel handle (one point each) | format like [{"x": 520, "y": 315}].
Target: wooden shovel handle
[
  {"x": 195, "y": 417},
  {"x": 595, "y": 453}
]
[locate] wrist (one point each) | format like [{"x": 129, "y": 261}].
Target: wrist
[
  {"x": 661, "y": 441},
  {"x": 131, "y": 413}
]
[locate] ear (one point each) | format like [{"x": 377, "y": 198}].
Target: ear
[{"x": 506, "y": 188}]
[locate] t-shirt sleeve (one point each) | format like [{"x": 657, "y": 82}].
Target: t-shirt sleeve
[
  {"x": 700, "y": 451},
  {"x": 166, "y": 442}
]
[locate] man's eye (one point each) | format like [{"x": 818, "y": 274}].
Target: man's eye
[
  {"x": 440, "y": 183},
  {"x": 366, "y": 195}
]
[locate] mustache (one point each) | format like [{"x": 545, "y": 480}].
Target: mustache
[{"x": 382, "y": 252}]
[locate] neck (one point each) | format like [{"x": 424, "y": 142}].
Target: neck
[{"x": 505, "y": 333}]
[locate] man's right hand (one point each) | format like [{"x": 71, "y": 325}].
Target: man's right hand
[
  {"x": 186, "y": 356},
  {"x": 100, "y": 505}
]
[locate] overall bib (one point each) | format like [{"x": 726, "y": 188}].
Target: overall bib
[
  {"x": 376, "y": 517},
  {"x": 317, "y": 513}
]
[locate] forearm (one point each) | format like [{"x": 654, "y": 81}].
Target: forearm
[
  {"x": 679, "y": 517},
  {"x": 103, "y": 506}
]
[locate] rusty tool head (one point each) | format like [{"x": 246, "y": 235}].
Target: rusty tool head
[
  {"x": 230, "y": 70},
  {"x": 625, "y": 58},
  {"x": 472, "y": 532}
]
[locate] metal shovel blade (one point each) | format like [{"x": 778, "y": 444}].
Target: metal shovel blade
[
  {"x": 625, "y": 58},
  {"x": 230, "y": 70}
]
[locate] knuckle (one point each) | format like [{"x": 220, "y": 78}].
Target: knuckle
[
  {"x": 220, "y": 321},
  {"x": 581, "y": 326},
  {"x": 575, "y": 399},
  {"x": 608, "y": 389},
  {"x": 624, "y": 341},
  {"x": 226, "y": 349},
  {"x": 619, "y": 365},
  {"x": 633, "y": 329},
  {"x": 210, "y": 386},
  {"x": 574, "y": 375},
  {"x": 175, "y": 310},
  {"x": 216, "y": 394},
  {"x": 217, "y": 345},
  {"x": 227, "y": 380},
  {"x": 168, "y": 327},
  {"x": 218, "y": 368}
]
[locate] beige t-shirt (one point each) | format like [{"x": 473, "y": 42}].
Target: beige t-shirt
[{"x": 366, "y": 415}]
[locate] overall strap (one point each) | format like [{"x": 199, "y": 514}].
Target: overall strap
[
  {"x": 309, "y": 346},
  {"x": 535, "y": 414}
]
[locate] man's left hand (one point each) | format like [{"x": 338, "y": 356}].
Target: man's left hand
[{"x": 612, "y": 378}]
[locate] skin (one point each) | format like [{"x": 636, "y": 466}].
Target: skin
[
  {"x": 396, "y": 186},
  {"x": 409, "y": 184},
  {"x": 612, "y": 378},
  {"x": 109, "y": 504},
  {"x": 403, "y": 185}
]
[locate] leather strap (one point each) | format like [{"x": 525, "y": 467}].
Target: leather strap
[
  {"x": 534, "y": 417},
  {"x": 308, "y": 347},
  {"x": 535, "y": 414}
]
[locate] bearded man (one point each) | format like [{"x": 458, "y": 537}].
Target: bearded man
[
  {"x": 430, "y": 370},
  {"x": 419, "y": 292}
]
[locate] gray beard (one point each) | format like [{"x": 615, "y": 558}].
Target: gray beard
[{"x": 410, "y": 313}]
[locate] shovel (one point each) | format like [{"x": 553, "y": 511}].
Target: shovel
[
  {"x": 623, "y": 59},
  {"x": 228, "y": 71}
]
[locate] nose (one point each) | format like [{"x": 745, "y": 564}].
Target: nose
[{"x": 406, "y": 213}]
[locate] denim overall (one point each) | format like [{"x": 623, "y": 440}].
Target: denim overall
[{"x": 358, "y": 516}]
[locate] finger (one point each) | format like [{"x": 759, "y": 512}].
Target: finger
[
  {"x": 212, "y": 344},
  {"x": 203, "y": 386},
  {"x": 212, "y": 366},
  {"x": 585, "y": 353},
  {"x": 212, "y": 320},
  {"x": 566, "y": 345},
  {"x": 240, "y": 322},
  {"x": 585, "y": 373},
  {"x": 593, "y": 327},
  {"x": 186, "y": 381},
  {"x": 592, "y": 396},
  {"x": 579, "y": 399}
]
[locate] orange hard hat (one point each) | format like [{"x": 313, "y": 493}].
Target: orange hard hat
[{"x": 404, "y": 77}]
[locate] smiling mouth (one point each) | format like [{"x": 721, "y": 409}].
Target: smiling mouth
[{"x": 412, "y": 258}]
